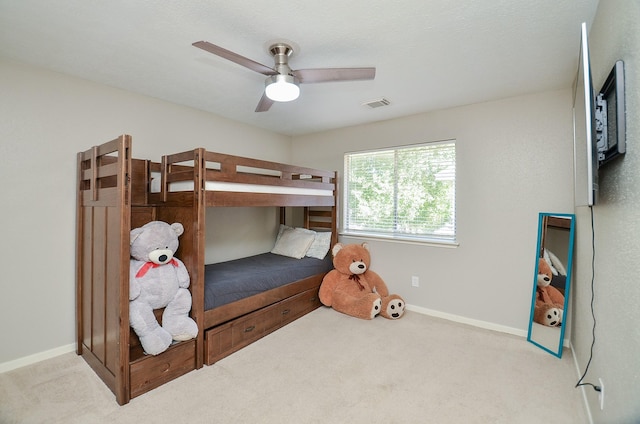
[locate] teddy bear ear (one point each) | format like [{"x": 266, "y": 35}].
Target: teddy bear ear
[
  {"x": 177, "y": 228},
  {"x": 336, "y": 248},
  {"x": 133, "y": 235},
  {"x": 365, "y": 245}
]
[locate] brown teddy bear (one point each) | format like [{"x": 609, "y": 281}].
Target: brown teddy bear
[
  {"x": 549, "y": 306},
  {"x": 353, "y": 289}
]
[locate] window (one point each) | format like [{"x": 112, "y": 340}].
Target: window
[{"x": 402, "y": 193}]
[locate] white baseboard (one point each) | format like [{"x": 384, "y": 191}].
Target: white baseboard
[
  {"x": 37, "y": 357},
  {"x": 473, "y": 322}
]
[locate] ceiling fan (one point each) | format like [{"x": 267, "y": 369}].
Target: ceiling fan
[{"x": 282, "y": 83}]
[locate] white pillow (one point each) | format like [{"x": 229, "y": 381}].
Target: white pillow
[
  {"x": 320, "y": 245},
  {"x": 281, "y": 230},
  {"x": 293, "y": 242}
]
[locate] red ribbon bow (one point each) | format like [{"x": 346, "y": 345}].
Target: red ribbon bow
[
  {"x": 150, "y": 265},
  {"x": 356, "y": 278}
]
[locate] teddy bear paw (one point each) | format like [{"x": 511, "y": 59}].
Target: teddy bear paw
[
  {"x": 376, "y": 307},
  {"x": 156, "y": 341},
  {"x": 393, "y": 307},
  {"x": 181, "y": 328},
  {"x": 553, "y": 317}
]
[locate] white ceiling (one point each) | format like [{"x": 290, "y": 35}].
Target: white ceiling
[{"x": 429, "y": 54}]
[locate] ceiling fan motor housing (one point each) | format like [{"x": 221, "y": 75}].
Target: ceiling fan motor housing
[{"x": 281, "y": 53}]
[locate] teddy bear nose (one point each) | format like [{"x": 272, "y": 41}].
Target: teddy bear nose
[
  {"x": 162, "y": 258},
  {"x": 361, "y": 266}
]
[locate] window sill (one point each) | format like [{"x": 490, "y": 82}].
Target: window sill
[{"x": 398, "y": 239}]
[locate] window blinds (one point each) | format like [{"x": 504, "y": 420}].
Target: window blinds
[{"x": 404, "y": 192}]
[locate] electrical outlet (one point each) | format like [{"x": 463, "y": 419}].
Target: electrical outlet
[
  {"x": 601, "y": 394},
  {"x": 415, "y": 281}
]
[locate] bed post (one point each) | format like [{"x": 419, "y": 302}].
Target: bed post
[
  {"x": 199, "y": 243},
  {"x": 334, "y": 212},
  {"x": 103, "y": 223},
  {"x": 79, "y": 248}
]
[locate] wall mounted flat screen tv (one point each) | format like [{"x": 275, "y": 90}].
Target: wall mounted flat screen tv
[{"x": 585, "y": 149}]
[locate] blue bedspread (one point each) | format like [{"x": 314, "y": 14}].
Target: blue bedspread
[{"x": 226, "y": 282}]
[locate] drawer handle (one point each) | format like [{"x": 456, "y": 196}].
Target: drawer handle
[
  {"x": 313, "y": 299},
  {"x": 286, "y": 311},
  {"x": 249, "y": 329}
]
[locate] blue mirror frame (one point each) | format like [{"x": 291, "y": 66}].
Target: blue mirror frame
[{"x": 555, "y": 231}]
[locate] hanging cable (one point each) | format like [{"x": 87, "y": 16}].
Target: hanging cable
[{"x": 593, "y": 315}]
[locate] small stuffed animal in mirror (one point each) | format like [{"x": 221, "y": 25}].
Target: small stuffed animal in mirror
[{"x": 549, "y": 306}]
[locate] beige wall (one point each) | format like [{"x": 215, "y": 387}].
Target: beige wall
[
  {"x": 614, "y": 35},
  {"x": 45, "y": 119},
  {"x": 514, "y": 159}
]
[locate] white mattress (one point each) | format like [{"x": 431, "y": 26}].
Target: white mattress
[{"x": 237, "y": 187}]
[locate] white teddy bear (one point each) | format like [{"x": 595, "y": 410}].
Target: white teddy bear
[{"x": 159, "y": 280}]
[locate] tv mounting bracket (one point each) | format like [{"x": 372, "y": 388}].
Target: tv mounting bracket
[{"x": 610, "y": 116}]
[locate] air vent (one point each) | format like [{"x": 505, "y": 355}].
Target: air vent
[{"x": 377, "y": 103}]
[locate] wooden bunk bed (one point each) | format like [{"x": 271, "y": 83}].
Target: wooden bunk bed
[{"x": 117, "y": 193}]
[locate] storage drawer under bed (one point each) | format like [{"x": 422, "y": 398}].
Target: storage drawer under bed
[
  {"x": 150, "y": 371},
  {"x": 224, "y": 339}
]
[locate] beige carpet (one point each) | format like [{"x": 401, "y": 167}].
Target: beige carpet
[{"x": 325, "y": 368}]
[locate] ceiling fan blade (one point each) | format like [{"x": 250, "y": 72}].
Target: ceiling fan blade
[
  {"x": 234, "y": 57},
  {"x": 264, "y": 104},
  {"x": 334, "y": 74}
]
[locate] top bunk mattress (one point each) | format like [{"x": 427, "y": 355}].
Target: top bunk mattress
[
  {"x": 180, "y": 186},
  {"x": 226, "y": 282}
]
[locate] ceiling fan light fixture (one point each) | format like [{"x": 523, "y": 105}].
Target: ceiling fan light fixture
[{"x": 282, "y": 88}]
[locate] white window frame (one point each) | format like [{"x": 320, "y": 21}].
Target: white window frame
[{"x": 445, "y": 235}]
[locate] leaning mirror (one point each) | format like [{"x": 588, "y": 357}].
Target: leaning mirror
[{"x": 550, "y": 298}]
